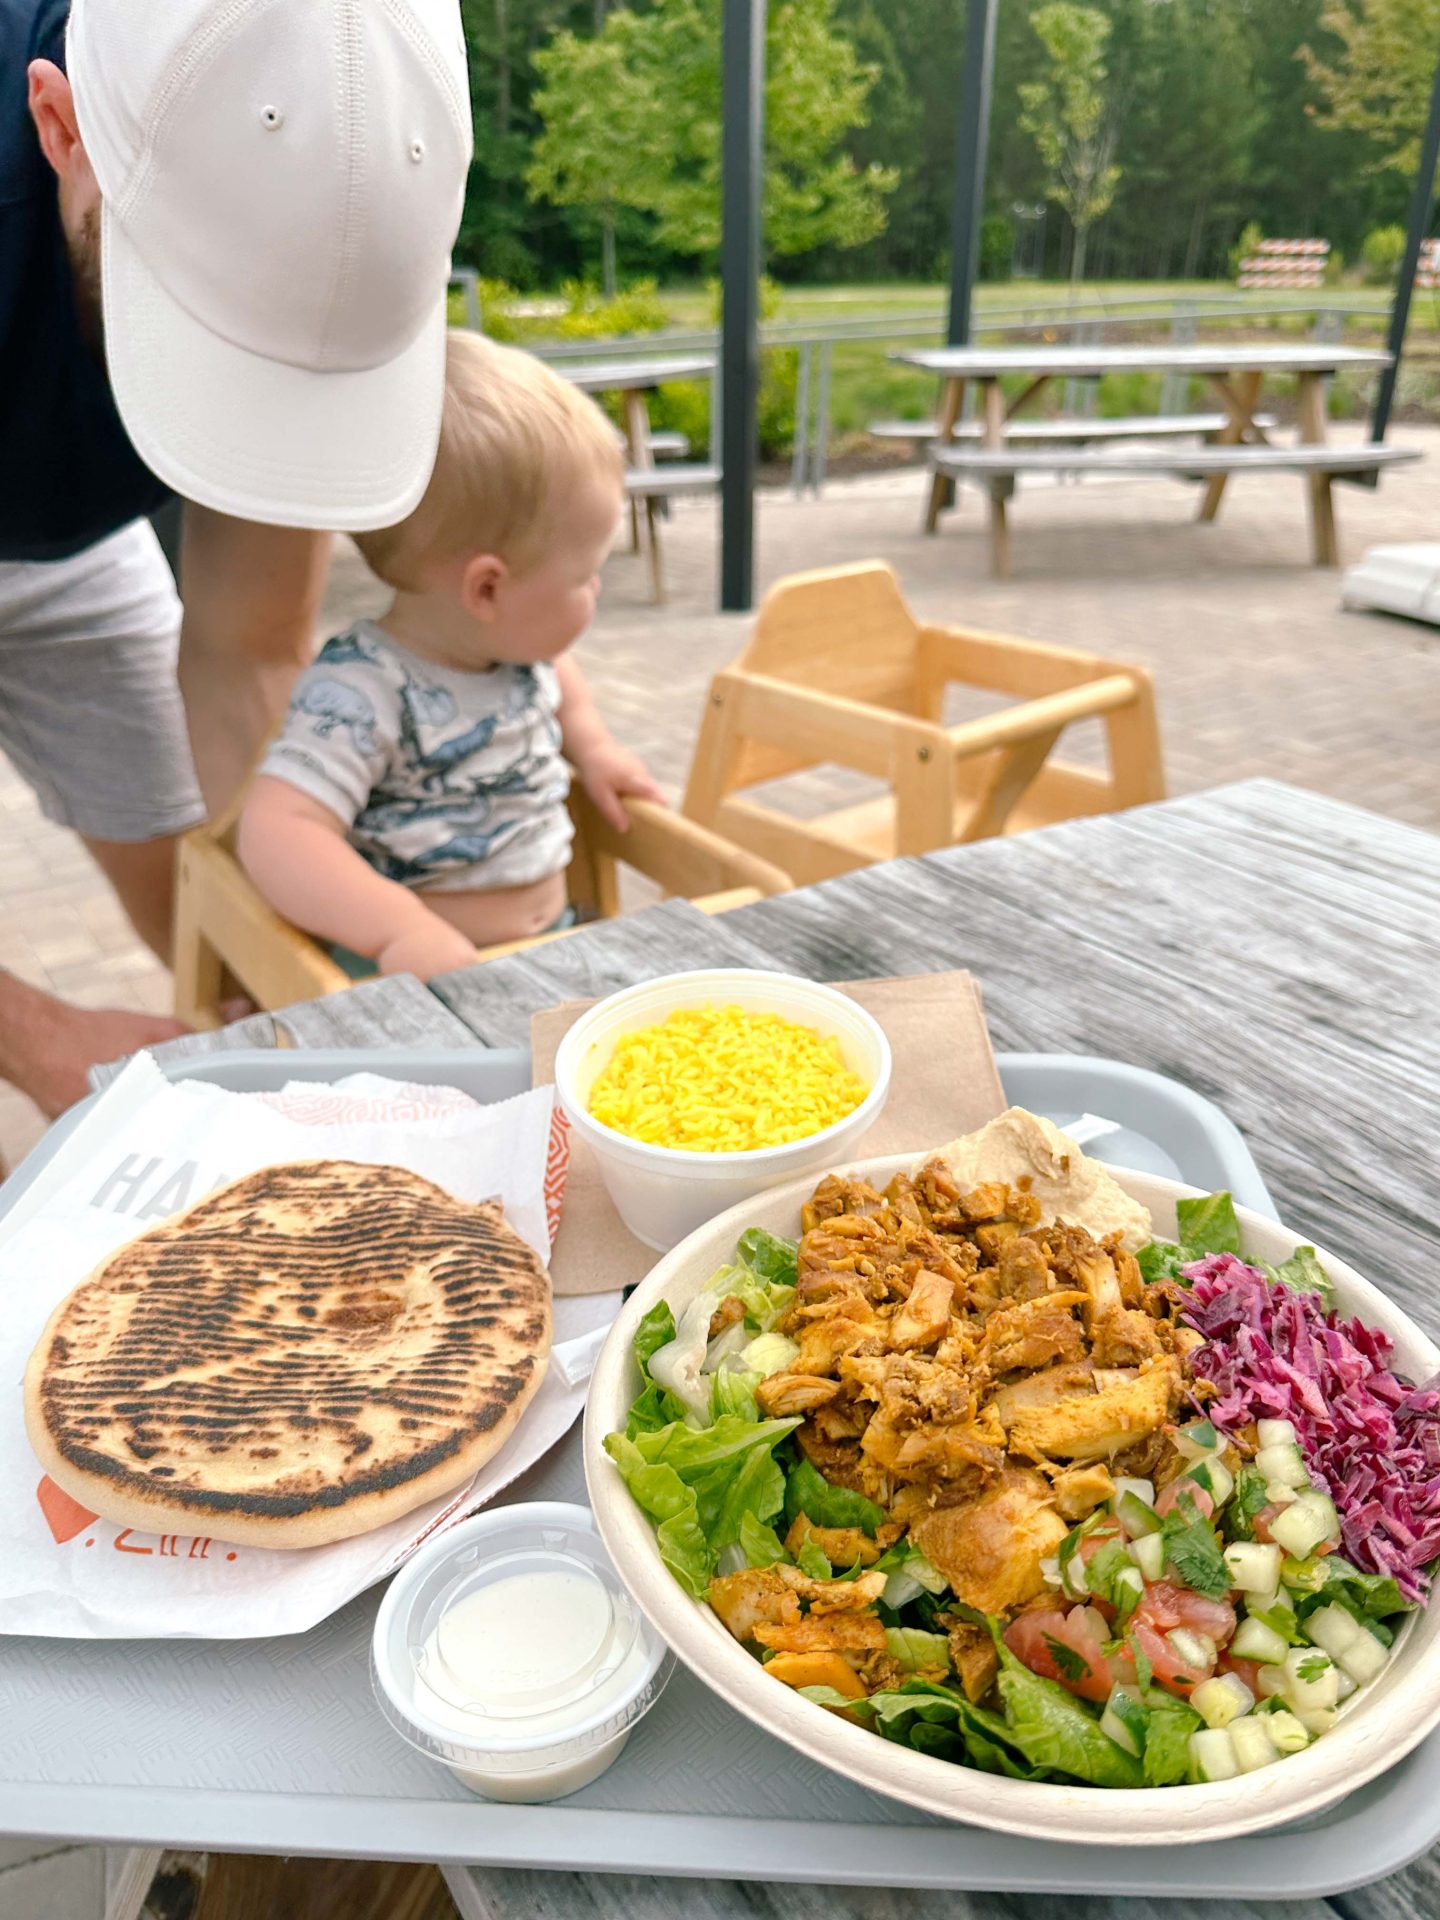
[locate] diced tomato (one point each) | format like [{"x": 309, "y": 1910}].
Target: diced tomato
[
  {"x": 1169, "y": 1495},
  {"x": 1260, "y": 1525},
  {"x": 1166, "y": 1605},
  {"x": 1246, "y": 1670},
  {"x": 1036, "y": 1635},
  {"x": 1091, "y": 1543}
]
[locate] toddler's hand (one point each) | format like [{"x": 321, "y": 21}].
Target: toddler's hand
[
  {"x": 609, "y": 770},
  {"x": 425, "y": 950}
]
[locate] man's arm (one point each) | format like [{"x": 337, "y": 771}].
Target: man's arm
[
  {"x": 47, "y": 1047},
  {"x": 251, "y": 596}
]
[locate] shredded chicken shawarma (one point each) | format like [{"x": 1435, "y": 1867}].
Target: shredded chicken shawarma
[{"x": 978, "y": 1375}]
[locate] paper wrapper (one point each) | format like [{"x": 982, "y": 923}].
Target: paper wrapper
[
  {"x": 149, "y": 1149},
  {"x": 944, "y": 1082}
]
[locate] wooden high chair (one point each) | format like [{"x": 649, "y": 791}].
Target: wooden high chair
[
  {"x": 226, "y": 931},
  {"x": 838, "y": 671}
]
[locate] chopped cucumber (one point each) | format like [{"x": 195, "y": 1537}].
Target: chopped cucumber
[
  {"x": 1250, "y": 1737},
  {"x": 1136, "y": 1515},
  {"x": 1303, "y": 1575},
  {"x": 1364, "y": 1659},
  {"x": 1074, "y": 1579},
  {"x": 1197, "y": 1440},
  {"x": 1255, "y": 1641},
  {"x": 1254, "y": 1567},
  {"x": 1221, "y": 1700},
  {"x": 1212, "y": 1755},
  {"x": 1215, "y": 1477},
  {"x": 1195, "y": 1649},
  {"x": 1128, "y": 1590},
  {"x": 1148, "y": 1553},
  {"x": 1347, "y": 1686},
  {"x": 1124, "y": 1720},
  {"x": 1305, "y": 1523},
  {"x": 1271, "y": 1682},
  {"x": 1319, "y": 1721},
  {"x": 1276, "y": 1433},
  {"x": 1050, "y": 1568},
  {"x": 1142, "y": 1489},
  {"x": 1285, "y": 1464},
  {"x": 1311, "y": 1682},
  {"x": 1105, "y": 1566},
  {"x": 1333, "y": 1629},
  {"x": 1278, "y": 1494},
  {"x": 1286, "y": 1732}
]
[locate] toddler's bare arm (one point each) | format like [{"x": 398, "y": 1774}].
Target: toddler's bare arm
[
  {"x": 295, "y": 851},
  {"x": 607, "y": 769}
]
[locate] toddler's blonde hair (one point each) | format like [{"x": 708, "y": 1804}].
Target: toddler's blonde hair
[{"x": 514, "y": 439}]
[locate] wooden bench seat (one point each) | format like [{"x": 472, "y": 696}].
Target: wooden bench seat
[
  {"x": 1320, "y": 464},
  {"x": 654, "y": 486},
  {"x": 1139, "y": 426}
]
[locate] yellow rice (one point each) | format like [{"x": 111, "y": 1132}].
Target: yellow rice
[{"x": 723, "y": 1080}]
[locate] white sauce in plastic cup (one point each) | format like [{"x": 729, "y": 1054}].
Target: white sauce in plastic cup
[{"x": 510, "y": 1650}]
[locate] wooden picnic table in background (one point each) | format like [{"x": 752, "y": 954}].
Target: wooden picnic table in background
[
  {"x": 1268, "y": 947},
  {"x": 634, "y": 380},
  {"x": 1235, "y": 372}
]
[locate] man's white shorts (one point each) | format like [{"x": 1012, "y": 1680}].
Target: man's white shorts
[{"x": 90, "y": 710}]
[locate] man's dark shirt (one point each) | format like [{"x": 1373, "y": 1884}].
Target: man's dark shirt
[{"x": 68, "y": 473}]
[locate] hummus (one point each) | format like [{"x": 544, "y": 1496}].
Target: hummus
[{"x": 1027, "y": 1151}]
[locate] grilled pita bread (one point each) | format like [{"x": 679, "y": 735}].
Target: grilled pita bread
[{"x": 308, "y": 1354}]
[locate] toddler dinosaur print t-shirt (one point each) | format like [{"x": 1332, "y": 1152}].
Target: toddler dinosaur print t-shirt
[{"x": 445, "y": 780}]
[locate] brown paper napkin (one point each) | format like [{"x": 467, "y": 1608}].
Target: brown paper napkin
[{"x": 943, "y": 1082}]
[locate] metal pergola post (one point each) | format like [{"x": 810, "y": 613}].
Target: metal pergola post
[
  {"x": 742, "y": 168},
  {"x": 970, "y": 153},
  {"x": 1421, "y": 202}
]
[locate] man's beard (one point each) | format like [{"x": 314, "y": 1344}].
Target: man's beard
[{"x": 83, "y": 246}]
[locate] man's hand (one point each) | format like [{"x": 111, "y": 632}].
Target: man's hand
[
  {"x": 427, "y": 947},
  {"x": 609, "y": 770},
  {"x": 48, "y": 1047}
]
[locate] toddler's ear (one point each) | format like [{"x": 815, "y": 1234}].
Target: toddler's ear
[{"x": 480, "y": 585}]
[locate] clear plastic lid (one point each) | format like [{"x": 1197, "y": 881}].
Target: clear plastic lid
[{"x": 511, "y": 1642}]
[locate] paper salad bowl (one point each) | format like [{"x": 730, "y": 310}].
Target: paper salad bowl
[{"x": 1379, "y": 1725}]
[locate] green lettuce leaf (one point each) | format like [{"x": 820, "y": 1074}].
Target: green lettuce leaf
[
  {"x": 1051, "y": 1728},
  {"x": 761, "y": 1545},
  {"x": 1169, "y": 1724},
  {"x": 663, "y": 1496},
  {"x": 1303, "y": 1273},
  {"x": 1161, "y": 1260},
  {"x": 769, "y": 1257},
  {"x": 1208, "y": 1225},
  {"x": 807, "y": 1492},
  {"x": 811, "y": 1559},
  {"x": 1371, "y": 1597},
  {"x": 732, "y": 1390},
  {"x": 914, "y": 1648},
  {"x": 656, "y": 1330}
]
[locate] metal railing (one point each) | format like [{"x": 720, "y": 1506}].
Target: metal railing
[{"x": 1086, "y": 320}]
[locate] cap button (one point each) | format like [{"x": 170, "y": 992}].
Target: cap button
[
  {"x": 417, "y": 151},
  {"x": 271, "y": 118}
]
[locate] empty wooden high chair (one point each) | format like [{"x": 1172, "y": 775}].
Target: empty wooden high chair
[{"x": 838, "y": 671}]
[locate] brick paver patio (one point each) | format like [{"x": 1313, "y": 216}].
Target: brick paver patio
[{"x": 1259, "y": 670}]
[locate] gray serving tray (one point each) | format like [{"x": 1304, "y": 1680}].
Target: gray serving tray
[{"x": 276, "y": 1746}]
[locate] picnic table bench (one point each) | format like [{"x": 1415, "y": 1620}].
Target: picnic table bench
[
  {"x": 1234, "y": 372},
  {"x": 646, "y": 484},
  {"x": 1070, "y": 431}
]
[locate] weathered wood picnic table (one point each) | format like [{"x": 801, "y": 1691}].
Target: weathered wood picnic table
[
  {"x": 1235, "y": 372},
  {"x": 1273, "y": 949},
  {"x": 634, "y": 379}
]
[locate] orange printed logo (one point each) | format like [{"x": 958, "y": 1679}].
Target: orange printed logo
[{"x": 64, "y": 1517}]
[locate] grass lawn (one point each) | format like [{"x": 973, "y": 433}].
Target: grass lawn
[{"x": 866, "y": 384}]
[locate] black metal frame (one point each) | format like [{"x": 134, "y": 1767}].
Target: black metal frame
[
  {"x": 971, "y": 151},
  {"x": 1422, "y": 201},
  {"x": 743, "y": 173}
]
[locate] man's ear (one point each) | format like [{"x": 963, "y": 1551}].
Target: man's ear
[
  {"x": 52, "y": 108},
  {"x": 480, "y": 585}
]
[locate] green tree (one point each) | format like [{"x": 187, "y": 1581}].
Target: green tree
[
  {"x": 1380, "y": 83},
  {"x": 1066, "y": 114},
  {"x": 591, "y": 96},
  {"x": 667, "y": 113}
]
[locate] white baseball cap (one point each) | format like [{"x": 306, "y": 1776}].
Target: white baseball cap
[{"x": 281, "y": 183}]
